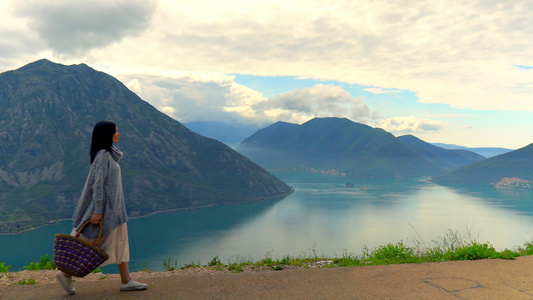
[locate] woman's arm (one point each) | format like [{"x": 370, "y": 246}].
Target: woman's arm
[{"x": 101, "y": 169}]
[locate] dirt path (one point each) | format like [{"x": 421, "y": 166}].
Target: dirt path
[{"x": 481, "y": 279}]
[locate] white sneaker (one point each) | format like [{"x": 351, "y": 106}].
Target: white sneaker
[
  {"x": 66, "y": 283},
  {"x": 133, "y": 286}
]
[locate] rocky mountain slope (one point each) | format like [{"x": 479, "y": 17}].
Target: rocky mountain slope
[{"x": 47, "y": 112}]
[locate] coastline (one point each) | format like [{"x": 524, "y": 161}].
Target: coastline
[
  {"x": 260, "y": 199},
  {"x": 35, "y": 227}
]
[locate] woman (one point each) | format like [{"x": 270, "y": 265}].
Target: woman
[{"x": 102, "y": 201}]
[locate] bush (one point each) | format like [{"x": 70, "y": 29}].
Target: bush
[
  {"x": 45, "y": 264},
  {"x": 214, "y": 262},
  {"x": 393, "y": 254},
  {"x": 508, "y": 254},
  {"x": 235, "y": 268},
  {"x": 471, "y": 252},
  {"x": 528, "y": 250},
  {"x": 4, "y": 268}
]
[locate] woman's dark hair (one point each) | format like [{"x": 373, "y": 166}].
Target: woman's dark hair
[{"x": 102, "y": 137}]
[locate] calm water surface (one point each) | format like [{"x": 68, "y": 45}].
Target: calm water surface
[{"x": 322, "y": 216}]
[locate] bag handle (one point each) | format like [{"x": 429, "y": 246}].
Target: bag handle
[{"x": 99, "y": 233}]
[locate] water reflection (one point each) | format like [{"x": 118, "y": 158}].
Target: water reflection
[
  {"x": 329, "y": 217},
  {"x": 517, "y": 200},
  {"x": 322, "y": 214}
]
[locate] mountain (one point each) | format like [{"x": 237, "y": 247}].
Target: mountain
[
  {"x": 515, "y": 164},
  {"x": 446, "y": 158},
  {"x": 484, "y": 151},
  {"x": 231, "y": 134},
  {"x": 47, "y": 112},
  {"x": 346, "y": 146}
]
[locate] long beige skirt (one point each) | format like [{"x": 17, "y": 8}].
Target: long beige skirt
[{"x": 116, "y": 245}]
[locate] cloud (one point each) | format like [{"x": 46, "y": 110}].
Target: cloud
[
  {"x": 216, "y": 97},
  {"x": 197, "y": 97},
  {"x": 18, "y": 42},
  {"x": 375, "y": 90},
  {"x": 461, "y": 53},
  {"x": 75, "y": 27},
  {"x": 134, "y": 86},
  {"x": 412, "y": 124},
  {"x": 320, "y": 100},
  {"x": 168, "y": 109}
]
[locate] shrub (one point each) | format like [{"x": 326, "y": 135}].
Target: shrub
[
  {"x": 473, "y": 252},
  {"x": 235, "y": 268},
  {"x": 45, "y": 263},
  {"x": 214, "y": 262},
  {"x": 266, "y": 262},
  {"x": 508, "y": 254},
  {"x": 393, "y": 254},
  {"x": 528, "y": 250},
  {"x": 4, "y": 268}
]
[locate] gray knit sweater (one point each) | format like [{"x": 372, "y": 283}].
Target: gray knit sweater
[{"x": 102, "y": 194}]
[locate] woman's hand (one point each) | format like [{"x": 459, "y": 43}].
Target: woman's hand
[{"x": 95, "y": 219}]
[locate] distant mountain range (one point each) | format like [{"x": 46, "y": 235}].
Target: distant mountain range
[
  {"x": 449, "y": 159},
  {"x": 508, "y": 169},
  {"x": 47, "y": 112},
  {"x": 231, "y": 134},
  {"x": 351, "y": 148},
  {"x": 484, "y": 151}
]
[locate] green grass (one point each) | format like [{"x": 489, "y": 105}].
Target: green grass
[
  {"x": 45, "y": 263},
  {"x": 453, "y": 246},
  {"x": 169, "y": 265},
  {"x": 4, "y": 268},
  {"x": 27, "y": 282},
  {"x": 235, "y": 268}
]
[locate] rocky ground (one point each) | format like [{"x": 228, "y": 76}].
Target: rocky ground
[
  {"x": 480, "y": 279},
  {"x": 48, "y": 276}
]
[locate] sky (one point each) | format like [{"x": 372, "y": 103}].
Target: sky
[{"x": 456, "y": 72}]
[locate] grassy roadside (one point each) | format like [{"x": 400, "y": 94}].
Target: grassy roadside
[
  {"x": 452, "y": 246},
  {"x": 398, "y": 253}
]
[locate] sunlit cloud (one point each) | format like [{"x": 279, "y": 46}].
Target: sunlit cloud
[
  {"x": 411, "y": 124},
  {"x": 219, "y": 98},
  {"x": 471, "y": 55},
  {"x": 464, "y": 54},
  {"x": 317, "y": 101},
  {"x": 457, "y": 54},
  {"x": 134, "y": 86},
  {"x": 375, "y": 90},
  {"x": 168, "y": 109}
]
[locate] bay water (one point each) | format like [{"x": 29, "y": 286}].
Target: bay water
[{"x": 324, "y": 216}]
